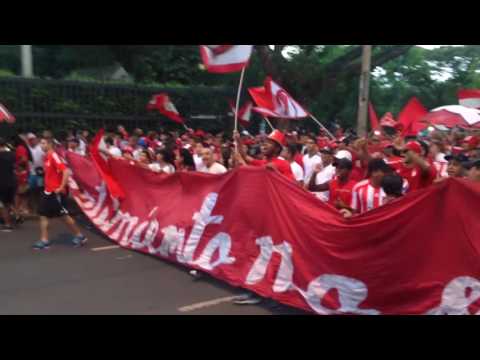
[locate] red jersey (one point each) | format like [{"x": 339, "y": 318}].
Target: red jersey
[
  {"x": 53, "y": 168},
  {"x": 414, "y": 176},
  {"x": 395, "y": 162},
  {"x": 282, "y": 166},
  {"x": 339, "y": 191},
  {"x": 299, "y": 159},
  {"x": 21, "y": 156},
  {"x": 366, "y": 197}
]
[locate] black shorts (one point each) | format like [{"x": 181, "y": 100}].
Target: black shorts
[
  {"x": 52, "y": 205},
  {"x": 7, "y": 195}
]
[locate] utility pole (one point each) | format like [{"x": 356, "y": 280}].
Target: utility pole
[
  {"x": 363, "y": 97},
  {"x": 27, "y": 60}
]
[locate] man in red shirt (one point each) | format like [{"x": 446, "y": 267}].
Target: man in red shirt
[
  {"x": 271, "y": 149},
  {"x": 418, "y": 171},
  {"x": 52, "y": 202}
]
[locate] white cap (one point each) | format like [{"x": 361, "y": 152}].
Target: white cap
[
  {"x": 344, "y": 154},
  {"x": 31, "y": 136}
]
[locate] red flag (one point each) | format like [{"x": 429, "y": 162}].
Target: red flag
[
  {"x": 469, "y": 98},
  {"x": 5, "y": 115},
  {"x": 164, "y": 105},
  {"x": 103, "y": 168},
  {"x": 223, "y": 59},
  {"x": 244, "y": 113},
  {"x": 410, "y": 117},
  {"x": 373, "y": 117},
  {"x": 274, "y": 101}
]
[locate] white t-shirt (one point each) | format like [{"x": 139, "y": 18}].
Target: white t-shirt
[
  {"x": 38, "y": 157},
  {"x": 297, "y": 171},
  {"x": 216, "y": 169},
  {"x": 115, "y": 151},
  {"x": 82, "y": 146},
  {"x": 309, "y": 164},
  {"x": 326, "y": 175},
  {"x": 167, "y": 169},
  {"x": 199, "y": 165}
]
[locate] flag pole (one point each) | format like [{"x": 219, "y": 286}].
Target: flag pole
[
  {"x": 239, "y": 92},
  {"x": 321, "y": 126},
  {"x": 269, "y": 123}
]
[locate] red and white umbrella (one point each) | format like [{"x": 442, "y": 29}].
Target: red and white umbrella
[{"x": 454, "y": 115}]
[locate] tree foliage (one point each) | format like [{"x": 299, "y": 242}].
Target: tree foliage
[{"x": 322, "y": 77}]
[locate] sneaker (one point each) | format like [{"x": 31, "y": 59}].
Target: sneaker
[
  {"x": 79, "y": 240},
  {"x": 195, "y": 274},
  {"x": 6, "y": 228},
  {"x": 42, "y": 245},
  {"x": 250, "y": 300}
]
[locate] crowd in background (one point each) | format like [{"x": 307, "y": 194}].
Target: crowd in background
[{"x": 353, "y": 174}]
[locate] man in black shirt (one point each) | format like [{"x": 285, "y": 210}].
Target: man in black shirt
[{"x": 7, "y": 184}]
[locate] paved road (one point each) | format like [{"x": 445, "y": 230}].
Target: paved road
[{"x": 103, "y": 279}]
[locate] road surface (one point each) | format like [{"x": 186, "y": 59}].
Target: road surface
[{"x": 102, "y": 278}]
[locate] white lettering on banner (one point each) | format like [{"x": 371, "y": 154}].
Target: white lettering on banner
[
  {"x": 102, "y": 195},
  {"x": 283, "y": 280},
  {"x": 172, "y": 243},
  {"x": 221, "y": 242},
  {"x": 457, "y": 296},
  {"x": 351, "y": 293},
  {"x": 456, "y": 299},
  {"x": 202, "y": 220}
]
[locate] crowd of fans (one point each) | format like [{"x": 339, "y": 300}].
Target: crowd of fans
[{"x": 350, "y": 173}]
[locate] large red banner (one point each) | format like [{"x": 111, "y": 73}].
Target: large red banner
[{"x": 254, "y": 229}]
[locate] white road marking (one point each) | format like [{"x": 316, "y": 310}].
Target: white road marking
[
  {"x": 205, "y": 304},
  {"x": 105, "y": 248},
  {"x": 124, "y": 257}
]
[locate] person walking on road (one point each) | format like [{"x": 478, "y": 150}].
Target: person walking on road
[
  {"x": 52, "y": 202},
  {"x": 7, "y": 184}
]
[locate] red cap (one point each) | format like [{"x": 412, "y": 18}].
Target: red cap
[
  {"x": 414, "y": 146},
  {"x": 471, "y": 141},
  {"x": 278, "y": 137},
  {"x": 456, "y": 150},
  {"x": 248, "y": 142},
  {"x": 200, "y": 133}
]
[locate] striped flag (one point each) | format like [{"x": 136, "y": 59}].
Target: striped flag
[
  {"x": 222, "y": 59},
  {"x": 5, "y": 115}
]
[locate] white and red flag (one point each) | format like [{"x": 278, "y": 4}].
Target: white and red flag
[
  {"x": 244, "y": 114},
  {"x": 164, "y": 105},
  {"x": 469, "y": 98},
  {"x": 5, "y": 115},
  {"x": 272, "y": 100},
  {"x": 222, "y": 59}
]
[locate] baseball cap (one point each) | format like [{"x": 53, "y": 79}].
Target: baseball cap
[
  {"x": 472, "y": 141},
  {"x": 470, "y": 164},
  {"x": 31, "y": 136},
  {"x": 457, "y": 157},
  {"x": 344, "y": 154},
  {"x": 414, "y": 146}
]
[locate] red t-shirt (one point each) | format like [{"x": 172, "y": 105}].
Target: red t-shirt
[
  {"x": 395, "y": 162},
  {"x": 339, "y": 191},
  {"x": 282, "y": 166},
  {"x": 414, "y": 176},
  {"x": 53, "y": 168},
  {"x": 21, "y": 155}
]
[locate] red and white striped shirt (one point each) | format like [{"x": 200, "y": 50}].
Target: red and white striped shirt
[{"x": 366, "y": 197}]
